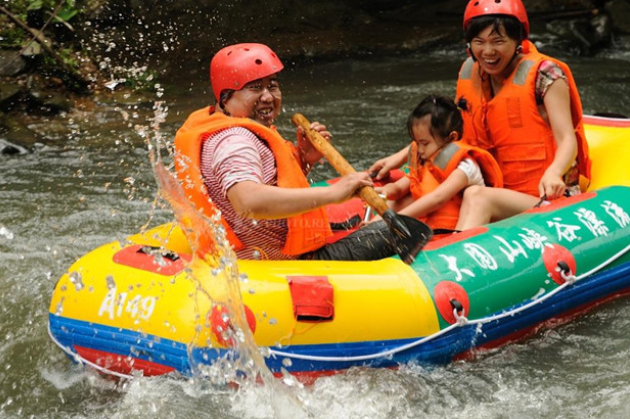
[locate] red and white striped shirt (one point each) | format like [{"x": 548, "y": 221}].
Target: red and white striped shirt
[{"x": 235, "y": 155}]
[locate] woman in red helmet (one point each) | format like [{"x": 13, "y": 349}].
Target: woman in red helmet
[
  {"x": 523, "y": 107},
  {"x": 256, "y": 178}
]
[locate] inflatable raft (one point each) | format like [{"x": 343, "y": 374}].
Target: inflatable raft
[{"x": 135, "y": 306}]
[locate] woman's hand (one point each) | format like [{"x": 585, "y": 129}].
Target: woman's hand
[{"x": 551, "y": 185}]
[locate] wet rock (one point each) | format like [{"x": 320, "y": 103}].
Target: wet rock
[
  {"x": 36, "y": 96},
  {"x": 6, "y": 148},
  {"x": 585, "y": 35},
  {"x": 11, "y": 63},
  {"x": 32, "y": 51},
  {"x": 48, "y": 102},
  {"x": 601, "y": 30},
  {"x": 15, "y": 137},
  {"x": 620, "y": 11},
  {"x": 9, "y": 94}
]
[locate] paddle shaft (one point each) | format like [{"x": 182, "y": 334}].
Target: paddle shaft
[{"x": 339, "y": 163}]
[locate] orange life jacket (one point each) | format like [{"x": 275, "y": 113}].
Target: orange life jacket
[
  {"x": 427, "y": 176},
  {"x": 510, "y": 125},
  {"x": 306, "y": 232}
]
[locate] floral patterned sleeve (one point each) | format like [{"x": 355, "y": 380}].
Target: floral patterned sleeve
[{"x": 548, "y": 72}]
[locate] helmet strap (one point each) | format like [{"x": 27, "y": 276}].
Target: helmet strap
[{"x": 469, "y": 51}]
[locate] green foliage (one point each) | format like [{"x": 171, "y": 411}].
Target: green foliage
[
  {"x": 68, "y": 8},
  {"x": 13, "y": 37},
  {"x": 35, "y": 5},
  {"x": 69, "y": 57}
]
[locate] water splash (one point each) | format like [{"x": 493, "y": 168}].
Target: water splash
[{"x": 215, "y": 269}]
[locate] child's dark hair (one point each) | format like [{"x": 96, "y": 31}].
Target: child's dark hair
[
  {"x": 512, "y": 26},
  {"x": 445, "y": 117}
]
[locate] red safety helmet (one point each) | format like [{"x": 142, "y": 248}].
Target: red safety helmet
[
  {"x": 234, "y": 66},
  {"x": 515, "y": 8}
]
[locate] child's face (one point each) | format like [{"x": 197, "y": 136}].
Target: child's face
[{"x": 427, "y": 144}]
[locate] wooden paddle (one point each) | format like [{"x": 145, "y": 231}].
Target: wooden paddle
[{"x": 411, "y": 235}]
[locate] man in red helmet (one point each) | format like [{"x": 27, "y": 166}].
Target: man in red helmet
[{"x": 256, "y": 178}]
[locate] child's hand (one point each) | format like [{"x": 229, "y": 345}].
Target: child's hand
[{"x": 381, "y": 168}]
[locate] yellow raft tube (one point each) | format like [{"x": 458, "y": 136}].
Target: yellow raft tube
[{"x": 139, "y": 306}]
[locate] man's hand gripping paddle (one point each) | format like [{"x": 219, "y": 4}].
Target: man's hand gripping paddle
[{"x": 411, "y": 235}]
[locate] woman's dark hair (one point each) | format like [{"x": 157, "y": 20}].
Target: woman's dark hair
[
  {"x": 445, "y": 117},
  {"x": 511, "y": 25}
]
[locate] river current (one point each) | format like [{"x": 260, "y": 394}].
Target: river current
[{"x": 60, "y": 202}]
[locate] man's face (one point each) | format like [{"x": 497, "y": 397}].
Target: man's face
[{"x": 259, "y": 100}]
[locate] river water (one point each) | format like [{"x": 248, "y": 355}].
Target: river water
[{"x": 60, "y": 202}]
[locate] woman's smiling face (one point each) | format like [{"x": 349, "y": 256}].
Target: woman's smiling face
[{"x": 494, "y": 50}]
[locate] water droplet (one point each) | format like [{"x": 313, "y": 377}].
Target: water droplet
[
  {"x": 5, "y": 232},
  {"x": 77, "y": 280},
  {"x": 59, "y": 308},
  {"x": 111, "y": 85}
]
